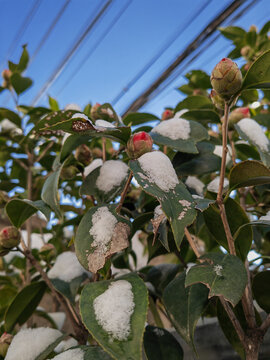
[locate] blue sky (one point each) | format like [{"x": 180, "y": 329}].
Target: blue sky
[{"x": 112, "y": 61}]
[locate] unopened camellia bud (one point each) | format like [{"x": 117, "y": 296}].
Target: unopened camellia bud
[
  {"x": 139, "y": 144},
  {"x": 5, "y": 341},
  {"x": 83, "y": 154},
  {"x": 6, "y": 74},
  {"x": 217, "y": 100},
  {"x": 238, "y": 114},
  {"x": 226, "y": 78},
  {"x": 68, "y": 172},
  {"x": 167, "y": 114},
  {"x": 3, "y": 251},
  {"x": 47, "y": 252},
  {"x": 93, "y": 112},
  {"x": 9, "y": 237}
]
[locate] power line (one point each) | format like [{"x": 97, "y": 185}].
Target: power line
[
  {"x": 50, "y": 29},
  {"x": 22, "y": 30},
  {"x": 160, "y": 52},
  {"x": 206, "y": 33},
  {"x": 70, "y": 53},
  {"x": 95, "y": 45}
]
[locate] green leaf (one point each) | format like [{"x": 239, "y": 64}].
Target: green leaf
[
  {"x": 19, "y": 210},
  {"x": 68, "y": 289},
  {"x": 194, "y": 102},
  {"x": 232, "y": 32},
  {"x": 10, "y": 115},
  {"x": 265, "y": 28},
  {"x": 249, "y": 173},
  {"x": 172, "y": 202},
  {"x": 71, "y": 143},
  {"x": 258, "y": 75},
  {"x": 203, "y": 116},
  {"x": 90, "y": 257},
  {"x": 45, "y": 353},
  {"x": 197, "y": 133},
  {"x": 202, "y": 203},
  {"x": 261, "y": 290},
  {"x": 198, "y": 79},
  {"x": 161, "y": 275},
  {"x": 139, "y": 118},
  {"x": 53, "y": 104},
  {"x": 7, "y": 294},
  {"x": 90, "y": 352},
  {"x": 236, "y": 217},
  {"x": 141, "y": 220},
  {"x": 217, "y": 272},
  {"x": 119, "y": 350},
  {"x": 24, "y": 304},
  {"x": 185, "y": 306},
  {"x": 107, "y": 112},
  {"x": 20, "y": 83},
  {"x": 161, "y": 344},
  {"x": 49, "y": 192},
  {"x": 186, "y": 89},
  {"x": 24, "y": 59},
  {"x": 63, "y": 121},
  {"x": 89, "y": 187},
  {"x": 251, "y": 37}
]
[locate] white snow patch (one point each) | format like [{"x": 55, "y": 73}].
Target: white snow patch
[
  {"x": 75, "y": 107},
  {"x": 104, "y": 123},
  {"x": 265, "y": 217},
  {"x": 73, "y": 354},
  {"x": 59, "y": 318},
  {"x": 214, "y": 184},
  {"x": 91, "y": 167},
  {"x": 159, "y": 170},
  {"x": 218, "y": 152},
  {"x": 7, "y": 125},
  {"x": 175, "y": 128},
  {"x": 254, "y": 131},
  {"x": 158, "y": 211},
  {"x": 197, "y": 196},
  {"x": 65, "y": 137},
  {"x": 66, "y": 267},
  {"x": 195, "y": 184},
  {"x": 27, "y": 344},
  {"x": 111, "y": 175},
  {"x": 114, "y": 308},
  {"x": 81, "y": 116},
  {"x": 65, "y": 345},
  {"x": 103, "y": 224},
  {"x": 217, "y": 269}
]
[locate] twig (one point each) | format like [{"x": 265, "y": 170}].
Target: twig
[
  {"x": 124, "y": 192},
  {"x": 236, "y": 324},
  {"x": 233, "y": 147},
  {"x": 44, "y": 151},
  {"x": 21, "y": 164},
  {"x": 265, "y": 325},
  {"x": 192, "y": 243},
  {"x": 104, "y": 149}
]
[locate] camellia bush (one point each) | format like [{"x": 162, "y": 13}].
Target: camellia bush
[{"x": 81, "y": 191}]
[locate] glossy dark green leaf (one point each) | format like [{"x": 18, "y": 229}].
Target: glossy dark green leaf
[
  {"x": 265, "y": 28},
  {"x": 217, "y": 272},
  {"x": 249, "y": 173},
  {"x": 139, "y": 118},
  {"x": 161, "y": 344},
  {"x": 24, "y": 59},
  {"x": 68, "y": 289},
  {"x": 251, "y": 37},
  {"x": 7, "y": 294},
  {"x": 185, "y": 305},
  {"x": 71, "y": 143},
  {"x": 131, "y": 348},
  {"x": 24, "y": 304},
  {"x": 140, "y": 220},
  {"x": 198, "y": 79},
  {"x": 88, "y": 256},
  {"x": 194, "y": 102},
  {"x": 237, "y": 218},
  {"x": 10, "y": 115},
  {"x": 202, "y": 203},
  {"x": 172, "y": 202},
  {"x": 19, "y": 210},
  {"x": 261, "y": 289},
  {"x": 203, "y": 116},
  {"x": 197, "y": 133},
  {"x": 45, "y": 353},
  {"x": 20, "y": 83},
  {"x": 232, "y": 32},
  {"x": 258, "y": 75},
  {"x": 161, "y": 275}
]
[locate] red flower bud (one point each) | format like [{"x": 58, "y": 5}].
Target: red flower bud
[
  {"x": 217, "y": 100},
  {"x": 238, "y": 114},
  {"x": 9, "y": 237},
  {"x": 5, "y": 341},
  {"x": 139, "y": 144},
  {"x": 226, "y": 78},
  {"x": 93, "y": 112},
  {"x": 167, "y": 114},
  {"x": 83, "y": 154}
]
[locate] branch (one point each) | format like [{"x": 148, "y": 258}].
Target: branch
[
  {"x": 104, "y": 149},
  {"x": 124, "y": 192},
  {"x": 265, "y": 325},
  {"x": 192, "y": 243},
  {"x": 44, "y": 151}
]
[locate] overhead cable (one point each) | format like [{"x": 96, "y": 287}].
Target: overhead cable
[{"x": 70, "y": 53}]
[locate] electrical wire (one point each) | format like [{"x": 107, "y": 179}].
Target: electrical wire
[
  {"x": 50, "y": 29},
  {"x": 159, "y": 53},
  {"x": 95, "y": 45},
  {"x": 22, "y": 30},
  {"x": 70, "y": 53}
]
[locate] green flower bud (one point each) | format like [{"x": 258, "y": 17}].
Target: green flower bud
[
  {"x": 9, "y": 237},
  {"x": 226, "y": 78},
  {"x": 217, "y": 100},
  {"x": 5, "y": 341},
  {"x": 83, "y": 154},
  {"x": 139, "y": 144},
  {"x": 69, "y": 172}
]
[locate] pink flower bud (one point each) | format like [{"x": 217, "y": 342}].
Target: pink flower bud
[
  {"x": 5, "y": 341},
  {"x": 226, "y": 78},
  {"x": 6, "y": 74},
  {"x": 93, "y": 112},
  {"x": 9, "y": 237},
  {"x": 245, "y": 51},
  {"x": 167, "y": 114},
  {"x": 83, "y": 154},
  {"x": 238, "y": 114},
  {"x": 139, "y": 144},
  {"x": 217, "y": 100}
]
